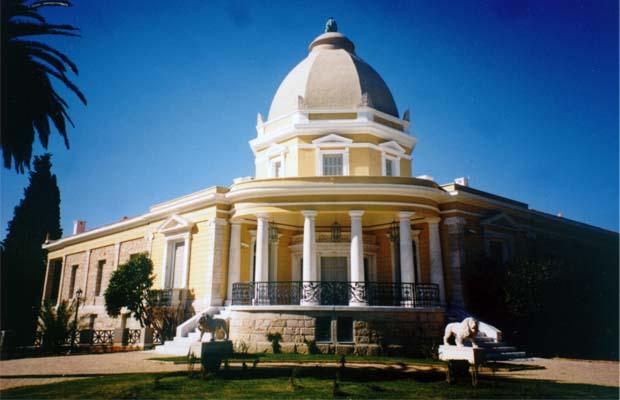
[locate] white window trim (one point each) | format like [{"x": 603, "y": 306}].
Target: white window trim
[
  {"x": 345, "y": 160},
  {"x": 396, "y": 164},
  {"x": 272, "y": 166},
  {"x": 168, "y": 252}
]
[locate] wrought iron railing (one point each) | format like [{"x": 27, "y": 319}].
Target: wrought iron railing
[
  {"x": 103, "y": 336},
  {"x": 336, "y": 293},
  {"x": 133, "y": 336}
]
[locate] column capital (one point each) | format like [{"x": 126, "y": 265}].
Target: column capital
[
  {"x": 433, "y": 220},
  {"x": 405, "y": 214},
  {"x": 356, "y": 213},
  {"x": 262, "y": 216},
  {"x": 309, "y": 213},
  {"x": 235, "y": 223}
]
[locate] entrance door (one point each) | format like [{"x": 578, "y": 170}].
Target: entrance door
[{"x": 334, "y": 276}]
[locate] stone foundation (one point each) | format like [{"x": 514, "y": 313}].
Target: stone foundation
[{"x": 390, "y": 331}]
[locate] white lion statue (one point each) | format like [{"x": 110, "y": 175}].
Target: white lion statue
[{"x": 467, "y": 329}]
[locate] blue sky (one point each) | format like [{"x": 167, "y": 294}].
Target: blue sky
[{"x": 520, "y": 96}]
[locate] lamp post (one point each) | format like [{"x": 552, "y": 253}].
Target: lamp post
[{"x": 78, "y": 295}]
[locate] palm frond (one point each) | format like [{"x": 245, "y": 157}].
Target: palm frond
[
  {"x": 63, "y": 78},
  {"x": 43, "y": 47}
]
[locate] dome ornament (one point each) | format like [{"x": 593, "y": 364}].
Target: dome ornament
[{"x": 330, "y": 25}]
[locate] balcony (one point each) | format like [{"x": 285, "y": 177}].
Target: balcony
[{"x": 411, "y": 295}]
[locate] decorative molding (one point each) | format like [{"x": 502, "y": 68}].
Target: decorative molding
[
  {"x": 332, "y": 138},
  {"x": 175, "y": 224}
]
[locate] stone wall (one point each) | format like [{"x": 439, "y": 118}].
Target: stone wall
[{"x": 395, "y": 332}]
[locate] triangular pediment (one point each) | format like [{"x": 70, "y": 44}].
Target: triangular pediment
[
  {"x": 500, "y": 220},
  {"x": 332, "y": 138},
  {"x": 276, "y": 149},
  {"x": 175, "y": 224},
  {"x": 392, "y": 146}
]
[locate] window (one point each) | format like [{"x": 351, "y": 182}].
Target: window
[
  {"x": 176, "y": 265},
  {"x": 100, "y": 266},
  {"x": 277, "y": 169},
  {"x": 332, "y": 165},
  {"x": 323, "y": 329},
  {"x": 345, "y": 329},
  {"x": 74, "y": 269},
  {"x": 389, "y": 167},
  {"x": 496, "y": 251}
]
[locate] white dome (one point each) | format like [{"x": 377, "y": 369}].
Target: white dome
[{"x": 332, "y": 76}]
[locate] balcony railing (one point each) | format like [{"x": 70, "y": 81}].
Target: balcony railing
[{"x": 336, "y": 293}]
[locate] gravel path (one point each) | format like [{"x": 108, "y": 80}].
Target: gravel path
[
  {"x": 38, "y": 371},
  {"x": 604, "y": 373},
  {"x": 42, "y": 370}
]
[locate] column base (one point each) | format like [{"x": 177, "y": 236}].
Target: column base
[
  {"x": 354, "y": 303},
  {"x": 309, "y": 303}
]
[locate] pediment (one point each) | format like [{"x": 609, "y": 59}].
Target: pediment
[
  {"x": 276, "y": 149},
  {"x": 175, "y": 224},
  {"x": 332, "y": 139},
  {"x": 392, "y": 146},
  {"x": 501, "y": 220}
]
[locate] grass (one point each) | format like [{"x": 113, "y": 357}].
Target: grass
[
  {"x": 312, "y": 358},
  {"x": 309, "y": 382}
]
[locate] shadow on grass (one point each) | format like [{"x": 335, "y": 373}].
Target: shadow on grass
[{"x": 306, "y": 382}]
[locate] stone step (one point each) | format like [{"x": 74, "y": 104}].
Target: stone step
[{"x": 504, "y": 356}]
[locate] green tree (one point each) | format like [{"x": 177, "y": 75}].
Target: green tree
[
  {"x": 56, "y": 324},
  {"x": 130, "y": 287},
  {"x": 29, "y": 100},
  {"x": 22, "y": 266}
]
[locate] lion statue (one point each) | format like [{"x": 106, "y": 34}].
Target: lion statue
[
  {"x": 207, "y": 323},
  {"x": 467, "y": 329}
]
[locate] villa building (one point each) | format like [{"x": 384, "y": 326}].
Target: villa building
[{"x": 332, "y": 240}]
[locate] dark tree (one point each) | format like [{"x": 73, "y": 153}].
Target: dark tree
[
  {"x": 130, "y": 287},
  {"x": 29, "y": 100},
  {"x": 23, "y": 259}
]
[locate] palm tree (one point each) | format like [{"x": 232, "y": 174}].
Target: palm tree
[
  {"x": 29, "y": 100},
  {"x": 56, "y": 324}
]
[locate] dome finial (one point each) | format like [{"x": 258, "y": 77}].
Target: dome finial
[{"x": 330, "y": 25}]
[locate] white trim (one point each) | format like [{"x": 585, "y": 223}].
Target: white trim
[
  {"x": 345, "y": 161},
  {"x": 332, "y": 203},
  {"x": 392, "y": 147},
  {"x": 331, "y": 138},
  {"x": 272, "y": 166},
  {"x": 170, "y": 242},
  {"x": 175, "y": 224},
  {"x": 395, "y": 164},
  {"x": 318, "y": 127},
  {"x": 362, "y": 145}
]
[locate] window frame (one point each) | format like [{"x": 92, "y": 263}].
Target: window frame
[
  {"x": 395, "y": 164},
  {"x": 345, "y": 160}
]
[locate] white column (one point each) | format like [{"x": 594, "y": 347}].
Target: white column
[
  {"x": 234, "y": 259},
  {"x": 62, "y": 278},
  {"x": 358, "y": 297},
  {"x": 262, "y": 248},
  {"x": 435, "y": 254},
  {"x": 407, "y": 275},
  {"x": 309, "y": 271}
]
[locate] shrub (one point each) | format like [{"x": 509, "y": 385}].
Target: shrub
[
  {"x": 275, "y": 339},
  {"x": 56, "y": 324}
]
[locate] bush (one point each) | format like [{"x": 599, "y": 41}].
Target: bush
[
  {"x": 275, "y": 339},
  {"x": 56, "y": 324}
]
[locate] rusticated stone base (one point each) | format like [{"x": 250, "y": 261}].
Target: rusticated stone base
[{"x": 374, "y": 331}]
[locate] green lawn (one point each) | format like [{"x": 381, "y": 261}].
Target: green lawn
[
  {"x": 301, "y": 358},
  {"x": 310, "y": 382}
]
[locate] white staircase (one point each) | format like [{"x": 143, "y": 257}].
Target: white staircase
[
  {"x": 187, "y": 333},
  {"x": 489, "y": 338}
]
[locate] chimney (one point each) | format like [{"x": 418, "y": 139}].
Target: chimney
[
  {"x": 463, "y": 181},
  {"x": 79, "y": 226}
]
